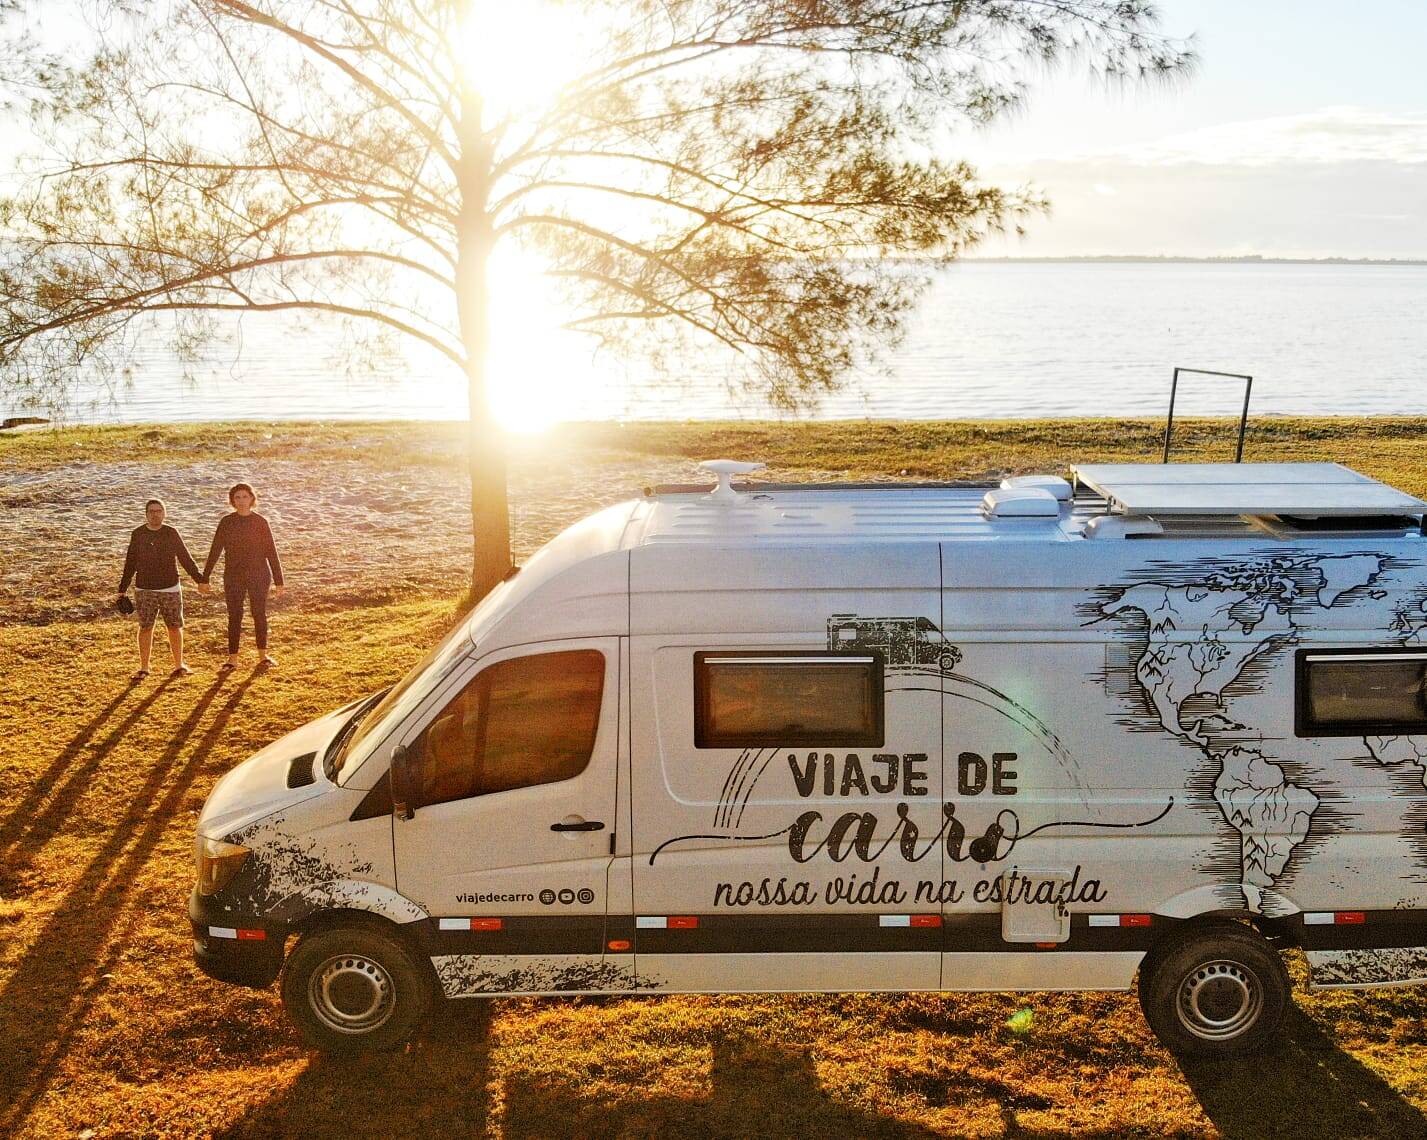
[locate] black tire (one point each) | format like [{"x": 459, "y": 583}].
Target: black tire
[
  {"x": 355, "y": 989},
  {"x": 1215, "y": 991}
]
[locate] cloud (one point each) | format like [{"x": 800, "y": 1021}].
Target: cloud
[
  {"x": 1334, "y": 182},
  {"x": 1327, "y": 135},
  {"x": 1197, "y": 209}
]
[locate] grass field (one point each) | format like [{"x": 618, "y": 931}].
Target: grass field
[{"x": 107, "y": 1029}]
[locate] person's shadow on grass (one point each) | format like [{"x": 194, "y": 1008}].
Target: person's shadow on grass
[{"x": 1307, "y": 1086}]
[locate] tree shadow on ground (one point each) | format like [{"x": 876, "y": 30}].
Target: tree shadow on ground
[
  {"x": 437, "y": 1086},
  {"x": 28, "y": 826},
  {"x": 59, "y": 976},
  {"x": 1308, "y": 1086},
  {"x": 441, "y": 1085}
]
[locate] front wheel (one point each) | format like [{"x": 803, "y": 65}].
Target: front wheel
[
  {"x": 1220, "y": 991},
  {"x": 353, "y": 989}
]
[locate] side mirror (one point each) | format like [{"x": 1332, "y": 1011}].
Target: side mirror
[{"x": 399, "y": 776}]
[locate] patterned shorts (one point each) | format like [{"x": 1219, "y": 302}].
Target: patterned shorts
[{"x": 151, "y": 603}]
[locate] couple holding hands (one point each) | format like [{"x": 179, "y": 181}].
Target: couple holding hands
[{"x": 245, "y": 542}]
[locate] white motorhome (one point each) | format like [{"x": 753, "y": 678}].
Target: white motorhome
[{"x": 1160, "y": 722}]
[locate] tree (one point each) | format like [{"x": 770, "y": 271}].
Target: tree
[{"x": 740, "y": 173}]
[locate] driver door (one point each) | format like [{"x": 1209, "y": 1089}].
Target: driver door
[{"x": 512, "y": 772}]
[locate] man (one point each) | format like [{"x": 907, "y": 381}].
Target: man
[{"x": 154, "y": 551}]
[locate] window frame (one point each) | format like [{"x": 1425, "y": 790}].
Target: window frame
[
  {"x": 874, "y": 739},
  {"x": 1304, "y": 726},
  {"x": 441, "y": 699}
]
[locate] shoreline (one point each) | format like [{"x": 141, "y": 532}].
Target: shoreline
[{"x": 63, "y": 425}]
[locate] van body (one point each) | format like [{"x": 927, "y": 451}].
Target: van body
[{"x": 873, "y": 738}]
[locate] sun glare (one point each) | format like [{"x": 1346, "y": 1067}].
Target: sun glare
[
  {"x": 521, "y": 52},
  {"x": 539, "y": 373}
]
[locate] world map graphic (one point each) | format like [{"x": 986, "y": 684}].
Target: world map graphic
[{"x": 1202, "y": 625}]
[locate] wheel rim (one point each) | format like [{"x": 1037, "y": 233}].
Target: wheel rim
[
  {"x": 1219, "y": 1000},
  {"x": 351, "y": 993}
]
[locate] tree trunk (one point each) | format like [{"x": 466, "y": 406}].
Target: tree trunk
[{"x": 490, "y": 510}]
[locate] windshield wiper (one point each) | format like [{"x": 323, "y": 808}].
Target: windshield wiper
[{"x": 336, "y": 753}]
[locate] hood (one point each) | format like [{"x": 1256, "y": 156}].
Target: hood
[{"x": 258, "y": 786}]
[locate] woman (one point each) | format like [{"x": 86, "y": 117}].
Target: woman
[{"x": 251, "y": 565}]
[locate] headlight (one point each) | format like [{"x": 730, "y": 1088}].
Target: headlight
[{"x": 218, "y": 862}]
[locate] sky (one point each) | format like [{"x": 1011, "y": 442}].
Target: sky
[{"x": 1303, "y": 133}]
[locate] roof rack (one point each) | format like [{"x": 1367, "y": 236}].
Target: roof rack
[{"x": 1243, "y": 415}]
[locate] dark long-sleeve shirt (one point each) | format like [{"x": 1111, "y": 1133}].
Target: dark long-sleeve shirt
[
  {"x": 248, "y": 544},
  {"x": 154, "y": 555}
]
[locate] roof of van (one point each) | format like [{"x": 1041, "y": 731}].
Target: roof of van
[{"x": 1150, "y": 499}]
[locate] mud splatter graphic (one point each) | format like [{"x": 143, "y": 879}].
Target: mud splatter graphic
[
  {"x": 290, "y": 875},
  {"x": 464, "y": 975},
  {"x": 1398, "y": 964}
]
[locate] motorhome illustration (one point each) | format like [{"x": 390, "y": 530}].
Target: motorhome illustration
[
  {"x": 902, "y": 641},
  {"x": 1141, "y": 729}
]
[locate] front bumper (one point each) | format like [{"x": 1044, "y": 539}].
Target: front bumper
[{"x": 234, "y": 948}]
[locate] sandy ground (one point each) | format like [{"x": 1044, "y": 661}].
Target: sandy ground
[{"x": 348, "y": 532}]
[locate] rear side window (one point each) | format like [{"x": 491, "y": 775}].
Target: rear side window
[
  {"x": 1356, "y": 692},
  {"x": 796, "y": 698},
  {"x": 519, "y": 723}
]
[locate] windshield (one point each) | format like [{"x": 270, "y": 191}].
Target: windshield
[{"x": 450, "y": 647}]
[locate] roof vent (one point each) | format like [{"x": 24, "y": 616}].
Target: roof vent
[
  {"x": 1122, "y": 526},
  {"x": 1057, "y": 486},
  {"x": 726, "y": 469},
  {"x": 1020, "y": 503}
]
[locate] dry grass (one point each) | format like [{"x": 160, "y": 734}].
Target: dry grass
[
  {"x": 106, "y": 1026},
  {"x": 1386, "y": 446}
]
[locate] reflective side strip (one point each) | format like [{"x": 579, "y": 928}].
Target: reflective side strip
[
  {"x": 651, "y": 922},
  {"x": 470, "y": 924},
  {"x": 222, "y": 932},
  {"x": 920, "y": 920},
  {"x": 1318, "y": 918}
]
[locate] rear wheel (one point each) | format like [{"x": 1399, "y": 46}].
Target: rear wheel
[
  {"x": 352, "y": 989},
  {"x": 1217, "y": 991}
]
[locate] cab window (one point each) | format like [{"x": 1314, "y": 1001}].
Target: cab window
[{"x": 517, "y": 724}]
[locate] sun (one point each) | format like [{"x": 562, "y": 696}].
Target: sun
[{"x": 519, "y": 54}]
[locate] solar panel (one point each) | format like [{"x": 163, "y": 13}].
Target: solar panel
[{"x": 1306, "y": 489}]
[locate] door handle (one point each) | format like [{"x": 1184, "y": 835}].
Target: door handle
[{"x": 580, "y": 825}]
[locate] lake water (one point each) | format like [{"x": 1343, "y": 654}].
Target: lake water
[{"x": 990, "y": 340}]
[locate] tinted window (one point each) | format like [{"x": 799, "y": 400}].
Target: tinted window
[
  {"x": 1346, "y": 693},
  {"x": 527, "y": 721},
  {"x": 786, "y": 699}
]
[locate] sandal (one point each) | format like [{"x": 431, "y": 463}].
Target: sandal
[
  {"x": 180, "y": 671},
  {"x": 139, "y": 675},
  {"x": 226, "y": 667},
  {"x": 268, "y": 662}
]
